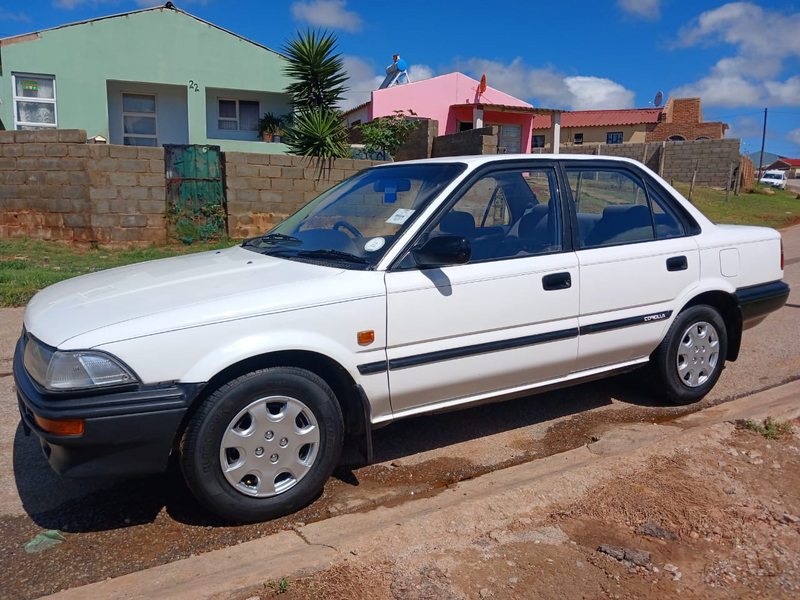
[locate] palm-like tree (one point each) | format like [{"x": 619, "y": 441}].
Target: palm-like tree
[{"x": 318, "y": 130}]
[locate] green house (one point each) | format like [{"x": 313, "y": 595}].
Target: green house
[{"x": 146, "y": 78}]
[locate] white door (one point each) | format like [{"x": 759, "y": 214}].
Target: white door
[
  {"x": 636, "y": 258},
  {"x": 506, "y": 319}
]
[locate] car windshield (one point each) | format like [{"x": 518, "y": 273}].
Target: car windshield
[
  {"x": 772, "y": 176},
  {"x": 354, "y": 223}
]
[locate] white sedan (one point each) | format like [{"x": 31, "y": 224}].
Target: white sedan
[{"x": 410, "y": 288}]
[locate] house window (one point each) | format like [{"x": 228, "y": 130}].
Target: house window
[
  {"x": 356, "y": 122},
  {"x": 139, "y": 120},
  {"x": 614, "y": 137},
  {"x": 677, "y": 138},
  {"x": 34, "y": 101},
  {"x": 578, "y": 139},
  {"x": 238, "y": 115},
  {"x": 538, "y": 141}
]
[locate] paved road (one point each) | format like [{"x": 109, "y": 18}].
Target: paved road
[
  {"x": 793, "y": 184},
  {"x": 115, "y": 527}
]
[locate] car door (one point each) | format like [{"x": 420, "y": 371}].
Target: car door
[
  {"x": 506, "y": 319},
  {"x": 636, "y": 255}
]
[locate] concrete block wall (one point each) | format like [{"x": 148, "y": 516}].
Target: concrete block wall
[
  {"x": 43, "y": 183},
  {"x": 420, "y": 141},
  {"x": 264, "y": 189},
  {"x": 466, "y": 143},
  {"x": 55, "y": 186},
  {"x": 128, "y": 195},
  {"x": 712, "y": 157}
]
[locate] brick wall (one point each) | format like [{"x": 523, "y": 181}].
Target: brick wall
[
  {"x": 420, "y": 141},
  {"x": 55, "y": 186},
  {"x": 684, "y": 117},
  {"x": 264, "y": 189},
  {"x": 712, "y": 157},
  {"x": 466, "y": 143},
  {"x": 127, "y": 193},
  {"x": 748, "y": 174}
]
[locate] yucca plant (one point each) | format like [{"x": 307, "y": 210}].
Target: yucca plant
[
  {"x": 318, "y": 130},
  {"x": 318, "y": 72},
  {"x": 320, "y": 134}
]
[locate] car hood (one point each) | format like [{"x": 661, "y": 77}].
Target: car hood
[{"x": 172, "y": 293}]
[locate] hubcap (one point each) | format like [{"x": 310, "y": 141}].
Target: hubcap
[
  {"x": 269, "y": 446},
  {"x": 698, "y": 354}
]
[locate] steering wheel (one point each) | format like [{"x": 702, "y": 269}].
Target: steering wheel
[{"x": 351, "y": 228}]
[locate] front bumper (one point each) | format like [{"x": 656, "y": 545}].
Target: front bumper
[
  {"x": 130, "y": 431},
  {"x": 757, "y": 301}
]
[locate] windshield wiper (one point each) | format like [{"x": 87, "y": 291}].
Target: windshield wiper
[
  {"x": 326, "y": 253},
  {"x": 271, "y": 237}
]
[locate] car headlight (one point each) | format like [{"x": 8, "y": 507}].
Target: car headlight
[{"x": 73, "y": 370}]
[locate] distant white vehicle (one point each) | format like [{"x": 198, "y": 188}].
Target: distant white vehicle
[
  {"x": 410, "y": 288},
  {"x": 776, "y": 178}
]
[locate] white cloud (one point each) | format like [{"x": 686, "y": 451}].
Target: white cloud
[
  {"x": 548, "y": 87},
  {"x": 598, "y": 92},
  {"x": 365, "y": 77},
  {"x": 7, "y": 15},
  {"x": 362, "y": 80},
  {"x": 794, "y": 136},
  {"x": 763, "y": 41},
  {"x": 327, "y": 13},
  {"x": 649, "y": 10}
]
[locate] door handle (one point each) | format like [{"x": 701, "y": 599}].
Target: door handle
[
  {"x": 557, "y": 281},
  {"x": 677, "y": 263}
]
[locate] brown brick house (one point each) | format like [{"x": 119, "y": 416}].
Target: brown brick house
[{"x": 682, "y": 119}]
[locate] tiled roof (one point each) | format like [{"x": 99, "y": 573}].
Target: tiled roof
[
  {"x": 792, "y": 162},
  {"x": 601, "y": 118}
]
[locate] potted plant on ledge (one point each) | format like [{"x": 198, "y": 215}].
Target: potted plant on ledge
[{"x": 269, "y": 126}]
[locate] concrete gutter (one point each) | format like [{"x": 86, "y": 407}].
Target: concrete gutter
[{"x": 471, "y": 508}]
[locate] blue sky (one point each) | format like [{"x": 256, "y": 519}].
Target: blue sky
[{"x": 738, "y": 56}]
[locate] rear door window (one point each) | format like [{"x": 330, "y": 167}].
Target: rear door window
[{"x": 612, "y": 207}]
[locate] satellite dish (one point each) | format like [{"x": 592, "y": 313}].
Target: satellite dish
[
  {"x": 658, "y": 99},
  {"x": 482, "y": 86}
]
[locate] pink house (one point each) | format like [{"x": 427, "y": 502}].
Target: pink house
[{"x": 454, "y": 101}]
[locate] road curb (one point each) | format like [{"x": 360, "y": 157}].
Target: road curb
[{"x": 473, "y": 507}]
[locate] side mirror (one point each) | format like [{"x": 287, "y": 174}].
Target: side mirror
[{"x": 443, "y": 250}]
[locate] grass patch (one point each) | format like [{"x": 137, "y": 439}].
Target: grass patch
[
  {"x": 780, "y": 210},
  {"x": 279, "y": 587},
  {"x": 770, "y": 428},
  {"x": 27, "y": 266}
]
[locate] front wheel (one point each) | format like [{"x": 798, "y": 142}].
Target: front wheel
[
  {"x": 690, "y": 358},
  {"x": 263, "y": 445}
]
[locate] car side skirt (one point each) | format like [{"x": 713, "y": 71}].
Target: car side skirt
[{"x": 519, "y": 391}]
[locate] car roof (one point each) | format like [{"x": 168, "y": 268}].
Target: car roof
[{"x": 474, "y": 161}]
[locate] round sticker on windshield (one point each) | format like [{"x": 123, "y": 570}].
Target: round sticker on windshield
[{"x": 374, "y": 244}]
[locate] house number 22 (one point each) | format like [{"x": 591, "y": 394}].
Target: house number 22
[{"x": 193, "y": 85}]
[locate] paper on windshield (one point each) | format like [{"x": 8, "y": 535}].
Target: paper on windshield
[{"x": 400, "y": 216}]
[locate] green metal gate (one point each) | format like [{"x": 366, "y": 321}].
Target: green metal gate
[{"x": 196, "y": 205}]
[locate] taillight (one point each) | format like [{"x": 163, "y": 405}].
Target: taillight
[{"x": 781, "y": 254}]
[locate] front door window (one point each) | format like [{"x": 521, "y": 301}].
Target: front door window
[{"x": 139, "y": 120}]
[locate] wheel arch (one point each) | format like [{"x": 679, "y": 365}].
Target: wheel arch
[
  {"x": 352, "y": 399},
  {"x": 728, "y": 307}
]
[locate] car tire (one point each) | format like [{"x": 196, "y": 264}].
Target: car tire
[
  {"x": 690, "y": 358},
  {"x": 263, "y": 445}
]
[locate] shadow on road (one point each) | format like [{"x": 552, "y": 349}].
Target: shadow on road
[{"x": 74, "y": 505}]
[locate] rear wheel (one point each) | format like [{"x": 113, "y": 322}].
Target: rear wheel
[
  {"x": 690, "y": 359},
  {"x": 263, "y": 445}
]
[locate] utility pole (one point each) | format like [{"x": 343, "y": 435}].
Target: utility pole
[{"x": 763, "y": 139}]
